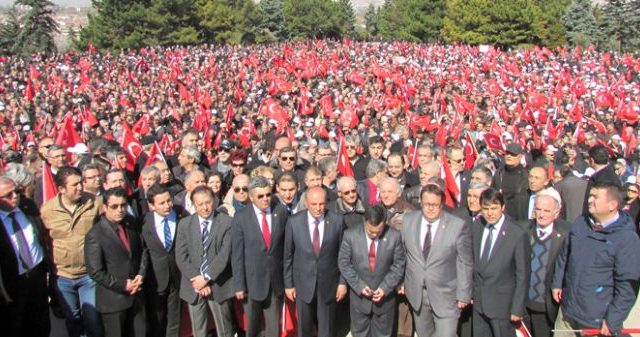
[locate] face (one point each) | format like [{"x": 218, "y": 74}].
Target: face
[
  {"x": 165, "y": 172},
  {"x": 395, "y": 166},
  {"x": 479, "y": 177},
  {"x": 224, "y": 155},
  {"x": 122, "y": 159},
  {"x": 114, "y": 179},
  {"x": 162, "y": 204},
  {"x": 148, "y": 180},
  {"x": 241, "y": 190},
  {"x": 214, "y": 183},
  {"x": 431, "y": 206},
  {"x": 91, "y": 179},
  {"x": 237, "y": 167},
  {"x": 424, "y": 156},
  {"x": 57, "y": 158},
  {"x": 473, "y": 200},
  {"x": 203, "y": 203},
  {"x": 184, "y": 159},
  {"x": 376, "y": 150},
  {"x": 537, "y": 179},
  {"x": 9, "y": 196},
  {"x": 599, "y": 204},
  {"x": 316, "y": 202},
  {"x": 72, "y": 190},
  {"x": 196, "y": 179},
  {"x": 546, "y": 211},
  {"x": 389, "y": 193},
  {"x": 456, "y": 161},
  {"x": 190, "y": 140},
  {"x": 43, "y": 146},
  {"x": 115, "y": 209},
  {"x": 352, "y": 149},
  {"x": 261, "y": 197},
  {"x": 312, "y": 180},
  {"x": 286, "y": 191},
  {"x": 632, "y": 192},
  {"x": 373, "y": 230},
  {"x": 492, "y": 212},
  {"x": 287, "y": 160},
  {"x": 323, "y": 153},
  {"x": 348, "y": 193},
  {"x": 512, "y": 160}
]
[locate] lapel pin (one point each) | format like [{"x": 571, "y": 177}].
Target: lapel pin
[{"x": 503, "y": 233}]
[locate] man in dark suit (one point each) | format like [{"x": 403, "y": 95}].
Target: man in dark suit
[
  {"x": 599, "y": 160},
  {"x": 203, "y": 255},
  {"x": 501, "y": 269},
  {"x": 149, "y": 176},
  {"x": 311, "y": 275},
  {"x": 257, "y": 257},
  {"x": 372, "y": 262},
  {"x": 117, "y": 261},
  {"x": 163, "y": 276},
  {"x": 572, "y": 191},
  {"x": 546, "y": 234},
  {"x": 24, "y": 306}
]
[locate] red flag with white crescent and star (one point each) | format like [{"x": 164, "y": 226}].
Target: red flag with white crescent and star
[
  {"x": 344, "y": 165},
  {"x": 131, "y": 146}
]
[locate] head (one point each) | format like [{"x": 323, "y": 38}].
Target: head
[
  {"x": 194, "y": 179},
  {"x": 374, "y": 221},
  {"x": 376, "y": 170},
  {"x": 473, "y": 196},
  {"x": 238, "y": 162},
  {"x": 203, "y": 200},
  {"x": 287, "y": 187},
  {"x": 351, "y": 143},
  {"x": 287, "y": 158},
  {"x": 240, "y": 188},
  {"x": 43, "y": 146},
  {"x": 159, "y": 199},
  {"x": 68, "y": 180},
  {"x": 9, "y": 194},
  {"x": 324, "y": 151},
  {"x": 24, "y": 179},
  {"x": 265, "y": 171},
  {"x": 189, "y": 139},
  {"x": 513, "y": 156},
  {"x": 149, "y": 176},
  {"x": 329, "y": 169},
  {"x": 189, "y": 157},
  {"x": 376, "y": 147},
  {"x": 389, "y": 191},
  {"x": 347, "y": 190},
  {"x": 631, "y": 191},
  {"x": 538, "y": 178},
  {"x": 432, "y": 202},
  {"x": 313, "y": 177},
  {"x": 116, "y": 155},
  {"x": 429, "y": 170},
  {"x": 455, "y": 156},
  {"x": 316, "y": 199},
  {"x": 425, "y": 154},
  {"x": 547, "y": 209},
  {"x": 165, "y": 172},
  {"x": 492, "y": 205},
  {"x": 280, "y": 144},
  {"x": 598, "y": 156},
  {"x": 91, "y": 178},
  {"x": 114, "y": 205},
  {"x": 56, "y": 156},
  {"x": 481, "y": 174},
  {"x": 214, "y": 181},
  {"x": 260, "y": 192},
  {"x": 605, "y": 199},
  {"x": 114, "y": 178},
  {"x": 395, "y": 165}
]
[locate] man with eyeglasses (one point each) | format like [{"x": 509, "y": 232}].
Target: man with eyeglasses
[
  {"x": 166, "y": 177},
  {"x": 393, "y": 203},
  {"x": 117, "y": 261},
  {"x": 68, "y": 218},
  {"x": 348, "y": 203},
  {"x": 56, "y": 158},
  {"x": 438, "y": 278},
  {"x": 43, "y": 147},
  {"x": 462, "y": 177},
  {"x": 91, "y": 179},
  {"x": 239, "y": 196},
  {"x": 513, "y": 181},
  {"x": 24, "y": 262},
  {"x": 257, "y": 258},
  {"x": 203, "y": 255},
  {"x": 288, "y": 162}
]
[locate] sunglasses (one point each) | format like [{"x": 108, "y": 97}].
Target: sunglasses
[
  {"x": 243, "y": 189},
  {"x": 288, "y": 158},
  {"x": 237, "y": 165},
  {"x": 349, "y": 192},
  {"x": 261, "y": 196}
]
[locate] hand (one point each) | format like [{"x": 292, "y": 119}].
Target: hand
[
  {"x": 138, "y": 280},
  {"x": 240, "y": 295},
  {"x": 198, "y": 282},
  {"x": 341, "y": 292},
  {"x": 291, "y": 294},
  {"x": 205, "y": 292},
  {"x": 378, "y": 295},
  {"x": 366, "y": 292},
  {"x": 400, "y": 289},
  {"x": 557, "y": 295},
  {"x": 515, "y": 318},
  {"x": 604, "y": 331},
  {"x": 462, "y": 305},
  {"x": 131, "y": 287}
]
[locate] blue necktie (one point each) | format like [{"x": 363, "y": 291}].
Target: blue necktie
[
  {"x": 168, "y": 241},
  {"x": 487, "y": 244}
]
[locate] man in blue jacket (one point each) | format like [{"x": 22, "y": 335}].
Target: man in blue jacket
[{"x": 597, "y": 273}]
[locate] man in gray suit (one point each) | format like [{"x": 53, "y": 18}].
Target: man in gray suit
[
  {"x": 203, "y": 255},
  {"x": 372, "y": 261},
  {"x": 438, "y": 278},
  {"x": 311, "y": 275}
]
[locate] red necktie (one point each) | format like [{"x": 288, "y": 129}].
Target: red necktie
[
  {"x": 123, "y": 237},
  {"x": 372, "y": 256},
  {"x": 266, "y": 234},
  {"x": 315, "y": 243}
]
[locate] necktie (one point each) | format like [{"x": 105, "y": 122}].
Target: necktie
[
  {"x": 372, "y": 255},
  {"x": 23, "y": 245},
  {"x": 123, "y": 237},
  {"x": 487, "y": 244},
  {"x": 266, "y": 234},
  {"x": 597, "y": 227},
  {"x": 540, "y": 234},
  {"x": 204, "y": 264},
  {"x": 426, "y": 246},
  {"x": 168, "y": 241},
  {"x": 315, "y": 242}
]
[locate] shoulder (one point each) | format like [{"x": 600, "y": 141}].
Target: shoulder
[
  {"x": 187, "y": 220},
  {"x": 514, "y": 228}
]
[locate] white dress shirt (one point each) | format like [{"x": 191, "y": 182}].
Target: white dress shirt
[
  {"x": 28, "y": 230},
  {"x": 423, "y": 230},
  {"x": 544, "y": 232},
  {"x": 258, "y": 213},
  {"x": 159, "y": 225},
  {"x": 312, "y": 227}
]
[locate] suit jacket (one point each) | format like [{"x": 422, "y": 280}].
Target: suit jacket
[
  {"x": 501, "y": 284},
  {"x": 257, "y": 269},
  {"x": 560, "y": 232},
  {"x": 111, "y": 265},
  {"x": 302, "y": 269},
  {"x": 189, "y": 251},
  {"x": 465, "y": 180},
  {"x": 572, "y": 193},
  {"x": 448, "y": 270},
  {"x": 162, "y": 269},
  {"x": 139, "y": 202},
  {"x": 387, "y": 274}
]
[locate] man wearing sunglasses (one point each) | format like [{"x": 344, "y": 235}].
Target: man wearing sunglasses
[
  {"x": 257, "y": 257},
  {"x": 238, "y": 197},
  {"x": 348, "y": 204}
]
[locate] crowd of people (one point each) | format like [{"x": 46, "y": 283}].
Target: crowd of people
[{"x": 320, "y": 188}]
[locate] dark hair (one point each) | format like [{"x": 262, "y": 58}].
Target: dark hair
[
  {"x": 614, "y": 191},
  {"x": 154, "y": 190},
  {"x": 237, "y": 155},
  {"x": 491, "y": 196},
  {"x": 202, "y": 190},
  {"x": 432, "y": 188},
  {"x": 564, "y": 170},
  {"x": 117, "y": 192},
  {"x": 376, "y": 140},
  {"x": 63, "y": 173},
  {"x": 286, "y": 176},
  {"x": 113, "y": 170},
  {"x": 374, "y": 215},
  {"x": 599, "y": 154}
]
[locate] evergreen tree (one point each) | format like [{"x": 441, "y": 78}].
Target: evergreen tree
[
  {"x": 313, "y": 19},
  {"x": 616, "y": 26},
  {"x": 227, "y": 21},
  {"x": 550, "y": 30},
  {"x": 413, "y": 20},
  {"x": 8, "y": 32},
  {"x": 371, "y": 21},
  {"x": 580, "y": 24},
  {"x": 37, "y": 28},
  {"x": 174, "y": 22},
  {"x": 348, "y": 17},
  {"x": 272, "y": 19}
]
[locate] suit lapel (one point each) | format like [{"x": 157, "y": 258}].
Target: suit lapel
[
  {"x": 499, "y": 238},
  {"x": 197, "y": 236},
  {"x": 150, "y": 229},
  {"x": 417, "y": 222},
  {"x": 328, "y": 230},
  {"x": 439, "y": 237},
  {"x": 257, "y": 223},
  {"x": 113, "y": 235}
]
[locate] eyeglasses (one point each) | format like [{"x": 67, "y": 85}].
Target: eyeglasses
[
  {"x": 350, "y": 192},
  {"x": 457, "y": 160},
  {"x": 117, "y": 206},
  {"x": 288, "y": 158},
  {"x": 261, "y": 196},
  {"x": 243, "y": 189},
  {"x": 45, "y": 146},
  {"x": 350, "y": 146},
  {"x": 237, "y": 165}
]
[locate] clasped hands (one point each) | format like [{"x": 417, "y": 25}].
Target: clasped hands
[
  {"x": 201, "y": 286},
  {"x": 376, "y": 296},
  {"x": 134, "y": 285}
]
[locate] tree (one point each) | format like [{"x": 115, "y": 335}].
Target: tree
[
  {"x": 580, "y": 24},
  {"x": 371, "y": 21},
  {"x": 413, "y": 20},
  {"x": 313, "y": 19},
  {"x": 550, "y": 30},
  {"x": 228, "y": 21},
  {"x": 8, "y": 32},
  {"x": 616, "y": 26},
  {"x": 272, "y": 19},
  {"x": 348, "y": 17},
  {"x": 37, "y": 28}
]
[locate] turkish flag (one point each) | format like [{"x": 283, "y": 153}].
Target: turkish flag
[
  {"x": 355, "y": 78},
  {"x": 229, "y": 117},
  {"x": 522, "y": 331},
  {"x": 68, "y": 137},
  {"x": 596, "y": 124},
  {"x": 344, "y": 165},
  {"x": 142, "y": 125},
  {"x": 628, "y": 114},
  {"x": 30, "y": 90},
  {"x": 493, "y": 88},
  {"x": 470, "y": 152},
  {"x": 326, "y": 104},
  {"x": 605, "y": 99},
  {"x": 155, "y": 155},
  {"x": 49, "y": 189},
  {"x": 493, "y": 142},
  {"x": 578, "y": 88},
  {"x": 537, "y": 101},
  {"x": 289, "y": 319},
  {"x": 131, "y": 146},
  {"x": 450, "y": 182},
  {"x": 496, "y": 129}
]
